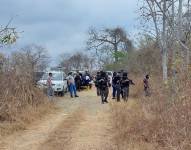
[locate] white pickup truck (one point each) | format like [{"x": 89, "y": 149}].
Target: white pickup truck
[{"x": 59, "y": 82}]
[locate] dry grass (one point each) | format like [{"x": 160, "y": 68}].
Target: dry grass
[
  {"x": 24, "y": 119},
  {"x": 129, "y": 130},
  {"x": 62, "y": 136},
  {"x": 157, "y": 122},
  {"x": 20, "y": 102},
  {"x": 137, "y": 90}
]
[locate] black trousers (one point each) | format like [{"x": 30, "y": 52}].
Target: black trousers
[
  {"x": 98, "y": 91},
  {"x": 118, "y": 88},
  {"x": 125, "y": 92},
  {"x": 104, "y": 94},
  {"x": 78, "y": 85}
]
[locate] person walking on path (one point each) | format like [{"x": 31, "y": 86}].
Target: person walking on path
[
  {"x": 97, "y": 78},
  {"x": 146, "y": 85},
  {"x": 125, "y": 83},
  {"x": 50, "y": 90},
  {"x": 72, "y": 86},
  {"x": 104, "y": 87},
  {"x": 121, "y": 75},
  {"x": 117, "y": 81},
  {"x": 114, "y": 85}
]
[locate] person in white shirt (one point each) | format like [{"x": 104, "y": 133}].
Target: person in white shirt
[{"x": 50, "y": 91}]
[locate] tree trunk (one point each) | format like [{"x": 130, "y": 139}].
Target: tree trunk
[
  {"x": 173, "y": 45},
  {"x": 116, "y": 50},
  {"x": 188, "y": 50},
  {"x": 173, "y": 35},
  {"x": 164, "y": 45},
  {"x": 180, "y": 28}
]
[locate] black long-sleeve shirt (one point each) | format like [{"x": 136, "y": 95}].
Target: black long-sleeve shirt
[
  {"x": 126, "y": 83},
  {"x": 116, "y": 80},
  {"x": 103, "y": 83}
]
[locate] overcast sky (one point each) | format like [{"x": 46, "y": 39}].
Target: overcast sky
[{"x": 62, "y": 25}]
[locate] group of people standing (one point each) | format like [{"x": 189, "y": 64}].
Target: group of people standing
[
  {"x": 81, "y": 79},
  {"x": 76, "y": 81},
  {"x": 120, "y": 85}
]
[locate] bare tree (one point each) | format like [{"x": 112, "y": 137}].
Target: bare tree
[
  {"x": 150, "y": 11},
  {"x": 8, "y": 35},
  {"x": 186, "y": 25},
  {"x": 30, "y": 59},
  {"x": 109, "y": 41},
  {"x": 37, "y": 57},
  {"x": 171, "y": 28},
  {"x": 77, "y": 61}
]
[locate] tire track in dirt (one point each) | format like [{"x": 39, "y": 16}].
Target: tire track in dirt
[
  {"x": 79, "y": 124},
  {"x": 62, "y": 136},
  {"x": 87, "y": 129},
  {"x": 38, "y": 132}
]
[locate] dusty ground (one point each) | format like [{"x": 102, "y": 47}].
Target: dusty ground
[{"x": 78, "y": 124}]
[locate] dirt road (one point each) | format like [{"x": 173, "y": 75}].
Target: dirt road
[{"x": 78, "y": 124}]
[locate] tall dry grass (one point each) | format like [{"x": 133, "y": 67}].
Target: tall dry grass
[
  {"x": 20, "y": 102},
  {"x": 162, "y": 121}
]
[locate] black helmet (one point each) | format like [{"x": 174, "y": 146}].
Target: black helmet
[
  {"x": 103, "y": 74},
  {"x": 125, "y": 74},
  {"x": 115, "y": 74}
]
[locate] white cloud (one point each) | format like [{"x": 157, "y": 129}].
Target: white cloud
[{"x": 61, "y": 25}]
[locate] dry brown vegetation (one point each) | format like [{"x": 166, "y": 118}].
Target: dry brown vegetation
[
  {"x": 20, "y": 101},
  {"x": 161, "y": 121}
]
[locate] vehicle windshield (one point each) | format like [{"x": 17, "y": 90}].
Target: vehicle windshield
[
  {"x": 109, "y": 73},
  {"x": 55, "y": 76}
]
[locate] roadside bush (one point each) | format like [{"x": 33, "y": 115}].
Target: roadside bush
[
  {"x": 20, "y": 100},
  {"x": 162, "y": 121},
  {"x": 16, "y": 93}
]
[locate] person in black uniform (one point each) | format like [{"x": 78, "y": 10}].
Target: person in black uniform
[
  {"x": 97, "y": 78},
  {"x": 104, "y": 87},
  {"x": 117, "y": 82},
  {"x": 114, "y": 85},
  {"x": 78, "y": 81},
  {"x": 125, "y": 83},
  {"x": 121, "y": 75}
]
